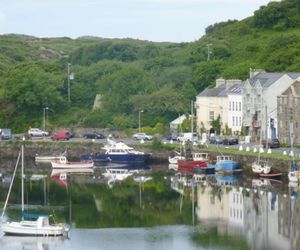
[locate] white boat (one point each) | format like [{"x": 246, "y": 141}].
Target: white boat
[
  {"x": 118, "y": 174},
  {"x": 38, "y": 227},
  {"x": 48, "y": 158},
  {"x": 118, "y": 152},
  {"x": 175, "y": 159},
  {"x": 58, "y": 171},
  {"x": 261, "y": 167},
  {"x": 64, "y": 163}
]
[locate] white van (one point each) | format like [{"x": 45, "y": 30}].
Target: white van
[{"x": 187, "y": 137}]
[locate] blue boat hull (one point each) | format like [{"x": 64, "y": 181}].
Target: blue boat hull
[
  {"x": 121, "y": 158},
  {"x": 226, "y": 165}
]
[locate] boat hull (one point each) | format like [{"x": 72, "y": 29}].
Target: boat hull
[
  {"x": 72, "y": 165},
  {"x": 226, "y": 166},
  {"x": 21, "y": 229}
]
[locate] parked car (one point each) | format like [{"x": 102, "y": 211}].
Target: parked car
[
  {"x": 271, "y": 143},
  {"x": 230, "y": 141},
  {"x": 37, "y": 132},
  {"x": 5, "y": 134},
  {"x": 187, "y": 137},
  {"x": 61, "y": 135},
  {"x": 142, "y": 136},
  {"x": 171, "y": 137},
  {"x": 93, "y": 135},
  {"x": 215, "y": 140}
]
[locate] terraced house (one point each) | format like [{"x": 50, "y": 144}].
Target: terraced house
[
  {"x": 260, "y": 103},
  {"x": 224, "y": 100}
]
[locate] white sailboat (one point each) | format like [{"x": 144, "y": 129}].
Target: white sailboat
[
  {"x": 38, "y": 227},
  {"x": 260, "y": 166}
]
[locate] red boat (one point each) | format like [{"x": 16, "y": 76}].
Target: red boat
[{"x": 189, "y": 166}]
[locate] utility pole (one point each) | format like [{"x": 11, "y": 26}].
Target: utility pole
[
  {"x": 192, "y": 119},
  {"x": 209, "y": 51},
  {"x": 70, "y": 77}
]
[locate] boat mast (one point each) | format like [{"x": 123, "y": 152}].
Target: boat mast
[
  {"x": 11, "y": 184},
  {"x": 22, "y": 181}
]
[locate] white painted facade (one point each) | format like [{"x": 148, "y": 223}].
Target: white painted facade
[
  {"x": 259, "y": 96},
  {"x": 235, "y": 111},
  {"x": 224, "y": 100}
]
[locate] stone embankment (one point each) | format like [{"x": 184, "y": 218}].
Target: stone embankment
[{"x": 10, "y": 150}]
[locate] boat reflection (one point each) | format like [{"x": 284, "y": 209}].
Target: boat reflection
[
  {"x": 39, "y": 243},
  {"x": 61, "y": 176}
]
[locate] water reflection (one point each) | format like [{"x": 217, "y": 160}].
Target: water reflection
[
  {"x": 33, "y": 243},
  {"x": 265, "y": 219},
  {"x": 234, "y": 212}
]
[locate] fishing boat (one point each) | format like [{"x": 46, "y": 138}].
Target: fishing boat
[
  {"x": 226, "y": 163},
  {"x": 64, "y": 163},
  {"x": 117, "y": 152},
  {"x": 39, "y": 226}
]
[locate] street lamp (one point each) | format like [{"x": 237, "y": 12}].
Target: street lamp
[
  {"x": 140, "y": 111},
  {"x": 44, "y": 118}
]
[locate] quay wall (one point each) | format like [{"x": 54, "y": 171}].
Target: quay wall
[{"x": 9, "y": 151}]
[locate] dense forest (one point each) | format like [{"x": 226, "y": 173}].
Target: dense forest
[{"x": 130, "y": 75}]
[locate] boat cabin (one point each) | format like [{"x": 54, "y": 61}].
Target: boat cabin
[
  {"x": 224, "y": 158},
  {"x": 200, "y": 156}
]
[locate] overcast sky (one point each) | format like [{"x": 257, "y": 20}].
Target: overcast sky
[{"x": 155, "y": 20}]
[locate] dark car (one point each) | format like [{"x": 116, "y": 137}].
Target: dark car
[
  {"x": 272, "y": 143},
  {"x": 231, "y": 141},
  {"x": 93, "y": 136},
  {"x": 215, "y": 140},
  {"x": 171, "y": 137}
]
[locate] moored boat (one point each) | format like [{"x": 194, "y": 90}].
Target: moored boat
[
  {"x": 261, "y": 167},
  {"x": 38, "y": 227},
  {"x": 226, "y": 163},
  {"x": 64, "y": 163},
  {"x": 117, "y": 152}
]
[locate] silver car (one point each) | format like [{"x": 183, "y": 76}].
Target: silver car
[{"x": 142, "y": 136}]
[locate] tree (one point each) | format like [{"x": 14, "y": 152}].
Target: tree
[{"x": 216, "y": 124}]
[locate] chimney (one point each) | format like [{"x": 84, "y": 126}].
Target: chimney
[
  {"x": 231, "y": 82},
  {"x": 254, "y": 72},
  {"x": 220, "y": 82}
]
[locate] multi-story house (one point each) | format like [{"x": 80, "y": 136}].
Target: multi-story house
[
  {"x": 259, "y": 94},
  {"x": 289, "y": 114},
  {"x": 224, "y": 100}
]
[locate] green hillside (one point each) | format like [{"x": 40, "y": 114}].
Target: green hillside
[{"x": 132, "y": 75}]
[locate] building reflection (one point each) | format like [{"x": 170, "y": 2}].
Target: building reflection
[{"x": 266, "y": 220}]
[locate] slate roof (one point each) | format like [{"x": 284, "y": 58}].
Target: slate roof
[
  {"x": 213, "y": 92},
  {"x": 267, "y": 79},
  {"x": 221, "y": 91}
]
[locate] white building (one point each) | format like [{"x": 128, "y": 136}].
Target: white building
[
  {"x": 225, "y": 100},
  {"x": 259, "y": 94}
]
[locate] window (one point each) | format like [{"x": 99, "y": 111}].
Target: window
[
  {"x": 211, "y": 115},
  {"x": 236, "y": 121},
  {"x": 233, "y": 106},
  {"x": 229, "y": 106},
  {"x": 240, "y": 121},
  {"x": 233, "y": 121},
  {"x": 240, "y": 106}
]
